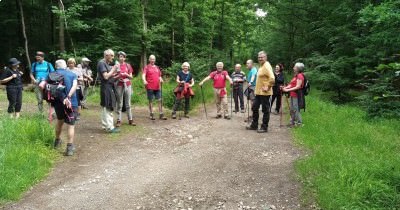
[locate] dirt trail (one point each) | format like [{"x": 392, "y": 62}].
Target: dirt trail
[{"x": 175, "y": 164}]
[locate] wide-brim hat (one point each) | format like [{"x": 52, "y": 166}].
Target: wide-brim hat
[
  {"x": 84, "y": 59},
  {"x": 13, "y": 61}
]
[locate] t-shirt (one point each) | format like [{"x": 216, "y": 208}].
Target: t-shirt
[
  {"x": 41, "y": 70},
  {"x": 102, "y": 67},
  {"x": 185, "y": 77},
  {"x": 125, "y": 68},
  {"x": 153, "y": 74},
  {"x": 238, "y": 78},
  {"x": 69, "y": 78},
  {"x": 219, "y": 78},
  {"x": 15, "y": 82},
  {"x": 78, "y": 73},
  {"x": 293, "y": 83},
  {"x": 252, "y": 72}
]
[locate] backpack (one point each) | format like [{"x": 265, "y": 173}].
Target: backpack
[
  {"x": 34, "y": 67},
  {"x": 55, "y": 88}
]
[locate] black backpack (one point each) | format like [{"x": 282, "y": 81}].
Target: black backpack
[
  {"x": 302, "y": 92},
  {"x": 55, "y": 88}
]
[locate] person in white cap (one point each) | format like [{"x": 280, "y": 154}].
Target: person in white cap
[
  {"x": 87, "y": 79},
  {"x": 12, "y": 78}
]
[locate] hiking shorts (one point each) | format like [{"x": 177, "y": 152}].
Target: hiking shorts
[
  {"x": 63, "y": 113},
  {"x": 153, "y": 94}
]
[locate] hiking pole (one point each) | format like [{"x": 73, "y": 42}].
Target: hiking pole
[
  {"x": 281, "y": 110},
  {"x": 248, "y": 107},
  {"x": 204, "y": 103},
  {"x": 231, "y": 99}
]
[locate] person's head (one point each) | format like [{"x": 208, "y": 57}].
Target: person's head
[
  {"x": 262, "y": 57},
  {"x": 249, "y": 64},
  {"x": 39, "y": 56},
  {"x": 185, "y": 66},
  {"x": 85, "y": 61},
  {"x": 14, "y": 63},
  {"x": 278, "y": 68},
  {"x": 220, "y": 66},
  {"x": 152, "y": 59},
  {"x": 71, "y": 63},
  {"x": 238, "y": 67},
  {"x": 298, "y": 68},
  {"x": 61, "y": 64},
  {"x": 121, "y": 56},
  {"x": 109, "y": 55}
]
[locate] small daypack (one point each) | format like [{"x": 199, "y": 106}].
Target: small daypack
[
  {"x": 55, "y": 88},
  {"x": 302, "y": 92}
]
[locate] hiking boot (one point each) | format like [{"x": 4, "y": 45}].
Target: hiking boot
[
  {"x": 162, "y": 117},
  {"x": 152, "y": 116},
  {"x": 275, "y": 112},
  {"x": 118, "y": 123},
  {"x": 57, "y": 143},
  {"x": 236, "y": 111},
  {"x": 84, "y": 107},
  {"x": 262, "y": 130},
  {"x": 227, "y": 117},
  {"x": 251, "y": 127},
  {"x": 218, "y": 116},
  {"x": 173, "y": 115},
  {"x": 242, "y": 111},
  {"x": 132, "y": 123},
  {"x": 290, "y": 125},
  {"x": 70, "y": 150},
  {"x": 186, "y": 115},
  {"x": 114, "y": 130}
]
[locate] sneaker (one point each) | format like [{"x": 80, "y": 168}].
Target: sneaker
[
  {"x": 118, "y": 123},
  {"x": 132, "y": 123},
  {"x": 218, "y": 116},
  {"x": 57, "y": 143},
  {"x": 262, "y": 130},
  {"x": 152, "y": 116},
  {"x": 70, "y": 150},
  {"x": 173, "y": 116},
  {"x": 162, "y": 117},
  {"x": 227, "y": 117},
  {"x": 186, "y": 116},
  {"x": 275, "y": 112},
  {"x": 236, "y": 111},
  {"x": 114, "y": 130},
  {"x": 290, "y": 125},
  {"x": 251, "y": 127},
  {"x": 242, "y": 111}
]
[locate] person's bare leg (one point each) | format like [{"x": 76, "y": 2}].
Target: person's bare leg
[
  {"x": 59, "y": 125},
  {"x": 151, "y": 107},
  {"x": 160, "y": 107},
  {"x": 71, "y": 133}
]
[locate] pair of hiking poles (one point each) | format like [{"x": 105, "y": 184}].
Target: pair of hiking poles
[{"x": 204, "y": 102}]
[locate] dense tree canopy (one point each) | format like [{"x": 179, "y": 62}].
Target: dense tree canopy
[{"x": 341, "y": 42}]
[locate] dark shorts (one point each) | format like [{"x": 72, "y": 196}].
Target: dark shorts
[
  {"x": 153, "y": 94},
  {"x": 68, "y": 115}
]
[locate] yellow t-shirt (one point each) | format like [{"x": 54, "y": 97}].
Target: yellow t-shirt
[{"x": 265, "y": 78}]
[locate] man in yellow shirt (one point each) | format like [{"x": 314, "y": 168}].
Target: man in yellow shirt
[{"x": 263, "y": 91}]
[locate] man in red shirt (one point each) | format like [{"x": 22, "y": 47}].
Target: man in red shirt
[
  {"x": 152, "y": 81},
  {"x": 219, "y": 77}
]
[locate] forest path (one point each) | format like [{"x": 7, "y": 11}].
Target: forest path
[{"x": 175, "y": 164}]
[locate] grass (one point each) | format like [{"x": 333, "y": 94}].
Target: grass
[
  {"x": 26, "y": 156},
  {"x": 354, "y": 163}
]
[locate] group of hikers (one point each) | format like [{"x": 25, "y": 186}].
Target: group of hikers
[{"x": 66, "y": 87}]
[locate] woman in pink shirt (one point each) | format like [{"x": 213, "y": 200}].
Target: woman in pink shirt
[
  {"x": 219, "y": 77},
  {"x": 124, "y": 89}
]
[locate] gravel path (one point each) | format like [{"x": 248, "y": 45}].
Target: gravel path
[{"x": 175, "y": 164}]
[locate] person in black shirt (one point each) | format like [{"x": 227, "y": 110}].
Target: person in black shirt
[
  {"x": 238, "y": 77},
  {"x": 279, "y": 81},
  {"x": 13, "y": 81},
  {"x": 183, "y": 90}
]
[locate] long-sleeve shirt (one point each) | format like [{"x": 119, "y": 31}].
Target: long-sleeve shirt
[{"x": 265, "y": 78}]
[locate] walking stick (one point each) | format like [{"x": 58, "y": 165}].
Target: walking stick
[
  {"x": 281, "y": 110},
  {"x": 231, "y": 99},
  {"x": 248, "y": 106},
  {"x": 204, "y": 103}
]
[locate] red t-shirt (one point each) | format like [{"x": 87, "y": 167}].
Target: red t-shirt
[
  {"x": 125, "y": 68},
  {"x": 219, "y": 78},
  {"x": 153, "y": 75},
  {"x": 293, "y": 83}
]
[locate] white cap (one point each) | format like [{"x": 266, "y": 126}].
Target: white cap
[{"x": 84, "y": 59}]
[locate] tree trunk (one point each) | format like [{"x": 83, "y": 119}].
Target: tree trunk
[
  {"x": 21, "y": 11},
  {"x": 61, "y": 32},
  {"x": 143, "y": 59}
]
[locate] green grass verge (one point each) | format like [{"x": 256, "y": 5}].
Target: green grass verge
[
  {"x": 353, "y": 163},
  {"x": 26, "y": 155}
]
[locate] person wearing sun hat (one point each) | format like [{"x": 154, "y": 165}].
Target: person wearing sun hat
[{"x": 12, "y": 78}]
